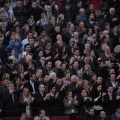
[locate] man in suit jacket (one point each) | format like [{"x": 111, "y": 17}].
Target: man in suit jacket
[
  {"x": 112, "y": 82},
  {"x": 11, "y": 102},
  {"x": 41, "y": 99},
  {"x": 107, "y": 56},
  {"x": 116, "y": 115},
  {"x": 109, "y": 100},
  {"x": 31, "y": 84}
]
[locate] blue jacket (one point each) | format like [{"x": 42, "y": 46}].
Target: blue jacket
[{"x": 16, "y": 48}]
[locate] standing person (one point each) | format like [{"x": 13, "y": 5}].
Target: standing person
[
  {"x": 26, "y": 101},
  {"x": 20, "y": 12},
  {"x": 10, "y": 101},
  {"x": 70, "y": 104},
  {"x": 109, "y": 100},
  {"x": 41, "y": 99}
]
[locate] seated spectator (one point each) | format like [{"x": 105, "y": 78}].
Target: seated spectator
[
  {"x": 102, "y": 116},
  {"x": 24, "y": 116},
  {"x": 41, "y": 115},
  {"x": 116, "y": 115},
  {"x": 90, "y": 114}
]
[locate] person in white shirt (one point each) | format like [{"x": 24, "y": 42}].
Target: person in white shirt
[{"x": 41, "y": 115}]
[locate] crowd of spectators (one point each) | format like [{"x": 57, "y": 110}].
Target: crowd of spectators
[{"x": 59, "y": 56}]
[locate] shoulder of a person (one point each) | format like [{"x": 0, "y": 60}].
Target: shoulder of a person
[{"x": 36, "y": 118}]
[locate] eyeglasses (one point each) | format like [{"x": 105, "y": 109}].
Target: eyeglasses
[{"x": 72, "y": 41}]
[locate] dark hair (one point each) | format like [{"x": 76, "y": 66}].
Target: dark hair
[
  {"x": 68, "y": 93},
  {"x": 10, "y": 61},
  {"x": 34, "y": 63}
]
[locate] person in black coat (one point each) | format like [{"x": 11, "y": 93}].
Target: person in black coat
[
  {"x": 31, "y": 84},
  {"x": 90, "y": 115},
  {"x": 41, "y": 99},
  {"x": 20, "y": 12},
  {"x": 11, "y": 102},
  {"x": 35, "y": 11},
  {"x": 109, "y": 101}
]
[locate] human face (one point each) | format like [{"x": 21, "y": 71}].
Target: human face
[
  {"x": 77, "y": 52},
  {"x": 47, "y": 78},
  {"x": 118, "y": 110},
  {"x": 63, "y": 67},
  {"x": 84, "y": 93},
  {"x": 49, "y": 65},
  {"x": 59, "y": 38},
  {"x": 33, "y": 78},
  {"x": 34, "y": 5},
  {"x": 72, "y": 28},
  {"x": 91, "y": 112},
  {"x": 19, "y": 3},
  {"x": 42, "y": 88},
  {"x": 72, "y": 41},
  {"x": 76, "y": 35},
  {"x": 25, "y": 91},
  {"x": 69, "y": 95},
  {"x": 42, "y": 114},
  {"x": 23, "y": 117},
  {"x": 39, "y": 73},
  {"x": 28, "y": 48},
  {"x": 40, "y": 54},
  {"x": 31, "y": 41},
  {"x": 11, "y": 87},
  {"x": 75, "y": 65},
  {"x": 68, "y": 76},
  {"x": 110, "y": 89},
  {"x": 99, "y": 88},
  {"x": 112, "y": 77},
  {"x": 57, "y": 29},
  {"x": 49, "y": 9},
  {"x": 99, "y": 80},
  {"x": 102, "y": 115}
]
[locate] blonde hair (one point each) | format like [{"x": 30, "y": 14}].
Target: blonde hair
[{"x": 22, "y": 96}]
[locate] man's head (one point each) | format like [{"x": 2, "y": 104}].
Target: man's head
[
  {"x": 34, "y": 5},
  {"x": 27, "y": 48},
  {"x": 91, "y": 111},
  {"x": 57, "y": 28},
  {"x": 118, "y": 109},
  {"x": 102, "y": 115},
  {"x": 112, "y": 11},
  {"x": 42, "y": 113},
  {"x": 59, "y": 37},
  {"x": 76, "y": 35},
  {"x": 32, "y": 77},
  {"x": 49, "y": 8},
  {"x": 19, "y": 3},
  {"x": 41, "y": 88},
  {"x": 48, "y": 64},
  {"x": 75, "y": 64}
]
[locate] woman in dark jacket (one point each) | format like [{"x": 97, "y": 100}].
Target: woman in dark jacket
[
  {"x": 97, "y": 97},
  {"x": 26, "y": 101}
]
